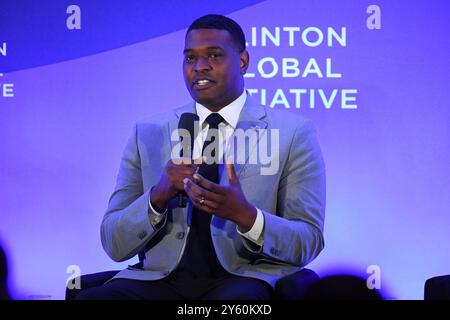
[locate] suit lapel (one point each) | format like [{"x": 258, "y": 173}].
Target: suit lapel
[
  {"x": 173, "y": 123},
  {"x": 251, "y": 118}
]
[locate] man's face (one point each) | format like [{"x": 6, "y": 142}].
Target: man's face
[{"x": 213, "y": 67}]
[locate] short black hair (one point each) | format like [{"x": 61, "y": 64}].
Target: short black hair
[{"x": 220, "y": 22}]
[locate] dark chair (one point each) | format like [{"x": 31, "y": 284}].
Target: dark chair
[
  {"x": 437, "y": 288},
  {"x": 341, "y": 287},
  {"x": 293, "y": 287},
  {"x": 4, "y": 294},
  {"x": 90, "y": 281}
]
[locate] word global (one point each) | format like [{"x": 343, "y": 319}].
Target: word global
[{"x": 268, "y": 67}]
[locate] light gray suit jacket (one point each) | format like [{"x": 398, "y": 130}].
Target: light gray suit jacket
[{"x": 292, "y": 201}]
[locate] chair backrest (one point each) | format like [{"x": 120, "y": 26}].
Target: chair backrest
[
  {"x": 437, "y": 288},
  {"x": 4, "y": 294}
]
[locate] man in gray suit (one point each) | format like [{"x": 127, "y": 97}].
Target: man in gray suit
[{"x": 246, "y": 226}]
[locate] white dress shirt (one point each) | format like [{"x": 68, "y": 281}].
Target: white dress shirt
[{"x": 231, "y": 114}]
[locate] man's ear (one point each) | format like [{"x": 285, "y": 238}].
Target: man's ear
[{"x": 245, "y": 60}]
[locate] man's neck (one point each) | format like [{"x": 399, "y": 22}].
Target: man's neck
[
  {"x": 217, "y": 108},
  {"x": 229, "y": 112}
]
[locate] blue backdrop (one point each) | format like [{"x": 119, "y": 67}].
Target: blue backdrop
[{"x": 375, "y": 85}]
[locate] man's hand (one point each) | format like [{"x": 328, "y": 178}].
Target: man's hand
[
  {"x": 227, "y": 202},
  {"x": 171, "y": 181}
]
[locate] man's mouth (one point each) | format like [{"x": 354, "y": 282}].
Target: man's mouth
[{"x": 201, "y": 84}]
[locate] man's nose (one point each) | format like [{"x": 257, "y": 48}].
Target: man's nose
[{"x": 202, "y": 64}]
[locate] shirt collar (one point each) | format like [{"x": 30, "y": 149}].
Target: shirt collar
[{"x": 230, "y": 112}]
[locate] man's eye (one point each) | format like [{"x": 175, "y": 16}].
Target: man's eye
[
  {"x": 213, "y": 55},
  {"x": 189, "y": 59}
]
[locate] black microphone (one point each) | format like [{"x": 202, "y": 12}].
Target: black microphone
[{"x": 188, "y": 122}]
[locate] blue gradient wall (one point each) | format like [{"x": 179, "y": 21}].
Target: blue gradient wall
[{"x": 77, "y": 93}]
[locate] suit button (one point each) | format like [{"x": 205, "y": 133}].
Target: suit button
[
  {"x": 142, "y": 234},
  {"x": 180, "y": 235}
]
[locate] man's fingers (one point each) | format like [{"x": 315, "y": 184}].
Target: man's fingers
[
  {"x": 179, "y": 185},
  {"x": 202, "y": 191},
  {"x": 185, "y": 162},
  {"x": 231, "y": 172},
  {"x": 181, "y": 161},
  {"x": 207, "y": 184},
  {"x": 198, "y": 200},
  {"x": 177, "y": 180},
  {"x": 181, "y": 171}
]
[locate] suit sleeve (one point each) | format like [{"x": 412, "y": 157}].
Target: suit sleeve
[
  {"x": 294, "y": 234},
  {"x": 126, "y": 226}
]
